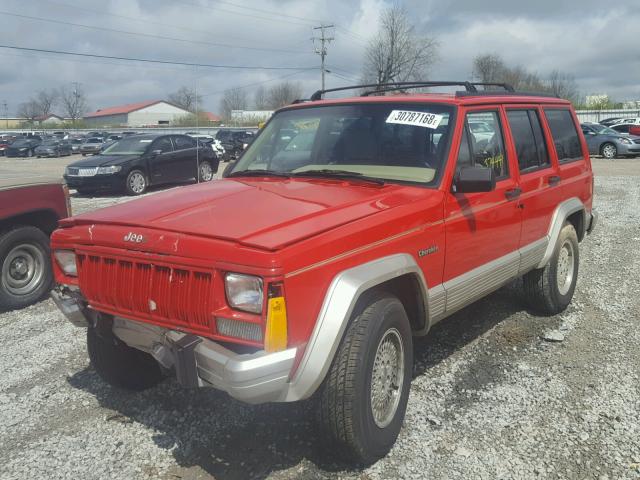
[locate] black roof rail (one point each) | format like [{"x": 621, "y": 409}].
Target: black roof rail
[
  {"x": 506, "y": 86},
  {"x": 514, "y": 93},
  {"x": 380, "y": 87}
]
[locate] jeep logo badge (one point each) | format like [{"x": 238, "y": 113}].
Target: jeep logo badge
[{"x": 133, "y": 237}]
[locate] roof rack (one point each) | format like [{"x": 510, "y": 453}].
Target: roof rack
[
  {"x": 506, "y": 86},
  {"x": 379, "y": 87}
]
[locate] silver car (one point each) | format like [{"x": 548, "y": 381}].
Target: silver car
[{"x": 604, "y": 141}]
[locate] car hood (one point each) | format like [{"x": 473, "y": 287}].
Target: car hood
[
  {"x": 266, "y": 214},
  {"x": 102, "y": 160}
]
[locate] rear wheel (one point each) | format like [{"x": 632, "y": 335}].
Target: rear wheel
[
  {"x": 364, "y": 397},
  {"x": 550, "y": 289},
  {"x": 609, "y": 151},
  {"x": 205, "y": 172},
  {"x": 25, "y": 267},
  {"x": 136, "y": 182},
  {"x": 119, "y": 364}
]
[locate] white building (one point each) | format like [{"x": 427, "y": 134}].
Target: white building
[{"x": 151, "y": 113}]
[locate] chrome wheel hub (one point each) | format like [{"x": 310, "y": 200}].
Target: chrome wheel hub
[
  {"x": 387, "y": 378},
  {"x": 565, "y": 270},
  {"x": 206, "y": 173},
  {"x": 609, "y": 151},
  {"x": 23, "y": 269},
  {"x": 137, "y": 182}
]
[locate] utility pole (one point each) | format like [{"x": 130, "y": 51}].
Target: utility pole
[
  {"x": 76, "y": 95},
  {"x": 321, "y": 46}
]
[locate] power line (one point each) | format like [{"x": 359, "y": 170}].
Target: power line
[
  {"x": 322, "y": 49},
  {"x": 147, "y": 60},
  {"x": 144, "y": 20},
  {"x": 148, "y": 35},
  {"x": 254, "y": 84}
]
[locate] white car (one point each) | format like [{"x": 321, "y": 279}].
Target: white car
[
  {"x": 216, "y": 146},
  {"x": 630, "y": 121}
]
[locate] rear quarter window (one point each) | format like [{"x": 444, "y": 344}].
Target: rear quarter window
[{"x": 564, "y": 133}]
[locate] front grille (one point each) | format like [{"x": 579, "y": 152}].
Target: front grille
[
  {"x": 82, "y": 172},
  {"x": 140, "y": 289}
]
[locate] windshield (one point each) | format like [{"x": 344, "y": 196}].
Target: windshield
[
  {"x": 407, "y": 143},
  {"x": 20, "y": 143},
  {"x": 128, "y": 146},
  {"x": 602, "y": 130}
]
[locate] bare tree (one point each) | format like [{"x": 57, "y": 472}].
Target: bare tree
[
  {"x": 46, "y": 100},
  {"x": 74, "y": 102},
  {"x": 233, "y": 99},
  {"x": 564, "y": 86},
  {"x": 186, "y": 98},
  {"x": 283, "y": 94},
  {"x": 397, "y": 53},
  {"x": 29, "y": 110},
  {"x": 260, "y": 98},
  {"x": 488, "y": 68}
]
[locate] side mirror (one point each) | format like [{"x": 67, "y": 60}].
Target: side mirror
[
  {"x": 155, "y": 153},
  {"x": 474, "y": 179}
]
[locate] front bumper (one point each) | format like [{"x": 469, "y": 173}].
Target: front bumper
[
  {"x": 95, "y": 182},
  {"x": 197, "y": 361}
]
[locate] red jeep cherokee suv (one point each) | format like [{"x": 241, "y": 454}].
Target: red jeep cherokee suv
[{"x": 347, "y": 228}]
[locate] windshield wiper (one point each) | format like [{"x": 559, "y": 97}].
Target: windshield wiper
[
  {"x": 258, "y": 173},
  {"x": 345, "y": 174}
]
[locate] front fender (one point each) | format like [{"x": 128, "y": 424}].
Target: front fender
[{"x": 335, "y": 313}]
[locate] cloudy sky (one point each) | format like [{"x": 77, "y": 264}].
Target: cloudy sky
[{"x": 593, "y": 40}]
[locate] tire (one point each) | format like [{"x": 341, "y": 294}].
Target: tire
[
  {"x": 205, "y": 171},
  {"x": 609, "y": 150},
  {"x": 346, "y": 415},
  {"x": 136, "y": 183},
  {"x": 119, "y": 364},
  {"x": 549, "y": 290},
  {"x": 29, "y": 153},
  {"x": 25, "y": 267}
]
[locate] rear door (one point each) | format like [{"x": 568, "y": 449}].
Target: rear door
[
  {"x": 186, "y": 159},
  {"x": 163, "y": 163},
  {"x": 482, "y": 229},
  {"x": 540, "y": 181}
]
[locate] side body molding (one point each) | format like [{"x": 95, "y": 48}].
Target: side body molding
[
  {"x": 564, "y": 210},
  {"x": 339, "y": 302}
]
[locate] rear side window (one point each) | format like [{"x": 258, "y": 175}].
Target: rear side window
[
  {"x": 183, "y": 143},
  {"x": 528, "y": 139},
  {"x": 565, "y": 135}
]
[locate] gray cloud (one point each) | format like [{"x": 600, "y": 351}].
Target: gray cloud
[{"x": 590, "y": 39}]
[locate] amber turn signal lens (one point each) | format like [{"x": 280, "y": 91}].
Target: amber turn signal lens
[{"x": 275, "y": 337}]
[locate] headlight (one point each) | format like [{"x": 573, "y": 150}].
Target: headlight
[
  {"x": 626, "y": 141},
  {"x": 23, "y": 149},
  {"x": 244, "y": 292},
  {"x": 109, "y": 170},
  {"x": 67, "y": 261}
]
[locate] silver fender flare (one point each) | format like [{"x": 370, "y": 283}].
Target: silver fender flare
[
  {"x": 562, "y": 212},
  {"x": 332, "y": 321}
]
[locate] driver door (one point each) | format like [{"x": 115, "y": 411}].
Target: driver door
[
  {"x": 483, "y": 228},
  {"x": 162, "y": 165}
]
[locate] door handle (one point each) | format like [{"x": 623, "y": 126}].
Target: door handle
[
  {"x": 554, "y": 180},
  {"x": 513, "y": 193}
]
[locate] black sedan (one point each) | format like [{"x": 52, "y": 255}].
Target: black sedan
[
  {"x": 53, "y": 148},
  {"x": 23, "y": 147},
  {"x": 138, "y": 161}
]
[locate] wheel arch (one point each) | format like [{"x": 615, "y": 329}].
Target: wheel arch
[
  {"x": 44, "y": 219},
  {"x": 571, "y": 210},
  {"x": 398, "y": 274}
]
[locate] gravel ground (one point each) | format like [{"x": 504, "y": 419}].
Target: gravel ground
[{"x": 497, "y": 392}]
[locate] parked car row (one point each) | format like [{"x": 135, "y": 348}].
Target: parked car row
[{"x": 610, "y": 142}]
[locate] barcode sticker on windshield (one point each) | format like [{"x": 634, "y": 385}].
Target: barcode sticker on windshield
[{"x": 417, "y": 119}]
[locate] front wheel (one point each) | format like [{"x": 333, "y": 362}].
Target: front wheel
[
  {"x": 609, "y": 151},
  {"x": 549, "y": 289},
  {"x": 136, "y": 183},
  {"x": 25, "y": 267},
  {"x": 364, "y": 397}
]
